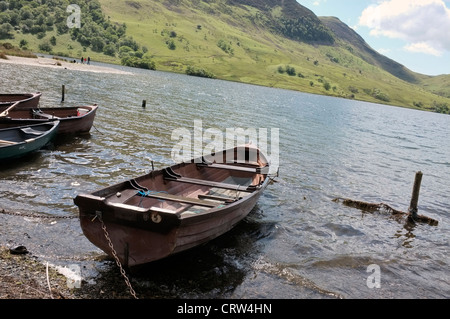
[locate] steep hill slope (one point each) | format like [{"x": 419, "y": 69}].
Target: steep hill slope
[{"x": 360, "y": 48}]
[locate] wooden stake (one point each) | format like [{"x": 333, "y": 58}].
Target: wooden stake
[
  {"x": 144, "y": 103},
  {"x": 63, "y": 91},
  {"x": 415, "y": 195}
]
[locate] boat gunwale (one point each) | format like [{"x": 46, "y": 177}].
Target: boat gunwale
[{"x": 28, "y": 97}]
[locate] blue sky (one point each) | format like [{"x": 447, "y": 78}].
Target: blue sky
[{"x": 415, "y": 33}]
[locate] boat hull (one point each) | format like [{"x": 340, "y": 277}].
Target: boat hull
[
  {"x": 142, "y": 230},
  {"x": 16, "y": 142},
  {"x": 71, "y": 122}
]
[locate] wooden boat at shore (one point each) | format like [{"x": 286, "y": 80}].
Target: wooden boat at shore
[
  {"x": 20, "y": 141},
  {"x": 29, "y": 100},
  {"x": 73, "y": 120},
  {"x": 174, "y": 209}
]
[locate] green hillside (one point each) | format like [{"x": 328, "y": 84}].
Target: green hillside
[{"x": 271, "y": 43}]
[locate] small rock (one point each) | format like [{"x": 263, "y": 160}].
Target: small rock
[{"x": 19, "y": 250}]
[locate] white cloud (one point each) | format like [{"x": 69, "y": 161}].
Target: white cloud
[
  {"x": 384, "y": 51},
  {"x": 319, "y": 2},
  {"x": 423, "y": 24},
  {"x": 423, "y": 47}
]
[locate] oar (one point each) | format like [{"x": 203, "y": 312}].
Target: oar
[
  {"x": 5, "y": 112},
  {"x": 7, "y": 142}
]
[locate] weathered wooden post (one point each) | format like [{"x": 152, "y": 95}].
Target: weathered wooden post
[
  {"x": 63, "y": 91},
  {"x": 415, "y": 196},
  {"x": 144, "y": 104}
]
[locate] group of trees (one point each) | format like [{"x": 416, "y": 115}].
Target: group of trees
[
  {"x": 95, "y": 31},
  {"x": 304, "y": 29}
]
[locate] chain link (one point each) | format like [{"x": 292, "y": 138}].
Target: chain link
[
  {"x": 122, "y": 271},
  {"x": 35, "y": 215}
]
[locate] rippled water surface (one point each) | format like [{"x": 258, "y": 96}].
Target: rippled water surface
[{"x": 297, "y": 242}]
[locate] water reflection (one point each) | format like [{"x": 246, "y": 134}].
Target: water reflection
[{"x": 213, "y": 270}]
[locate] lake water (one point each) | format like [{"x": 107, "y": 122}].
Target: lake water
[{"x": 297, "y": 243}]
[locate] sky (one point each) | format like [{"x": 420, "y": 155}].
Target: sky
[{"x": 415, "y": 33}]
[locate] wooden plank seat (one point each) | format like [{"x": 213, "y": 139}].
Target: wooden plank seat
[
  {"x": 178, "y": 199},
  {"x": 41, "y": 114},
  {"x": 232, "y": 167},
  {"x": 227, "y": 200},
  {"x": 171, "y": 176},
  {"x": 31, "y": 131},
  {"x": 143, "y": 210}
]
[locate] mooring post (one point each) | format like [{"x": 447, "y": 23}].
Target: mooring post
[
  {"x": 415, "y": 195},
  {"x": 63, "y": 90},
  {"x": 144, "y": 103}
]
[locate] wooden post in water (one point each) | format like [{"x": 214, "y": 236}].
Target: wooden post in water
[
  {"x": 144, "y": 103},
  {"x": 63, "y": 91},
  {"x": 415, "y": 196}
]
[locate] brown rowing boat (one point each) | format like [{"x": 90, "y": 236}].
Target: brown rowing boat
[
  {"x": 29, "y": 100},
  {"x": 73, "y": 120},
  {"x": 176, "y": 208}
]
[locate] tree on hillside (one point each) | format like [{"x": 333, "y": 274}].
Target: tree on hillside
[
  {"x": 41, "y": 16},
  {"x": 6, "y": 30}
]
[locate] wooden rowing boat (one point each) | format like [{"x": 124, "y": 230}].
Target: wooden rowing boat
[
  {"x": 74, "y": 120},
  {"x": 176, "y": 208},
  {"x": 20, "y": 141},
  {"x": 29, "y": 100}
]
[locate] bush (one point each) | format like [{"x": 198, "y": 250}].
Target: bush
[
  {"x": 110, "y": 49},
  {"x": 45, "y": 46},
  {"x": 441, "y": 108},
  {"x": 143, "y": 63},
  {"x": 225, "y": 47},
  {"x": 171, "y": 45},
  {"x": 353, "y": 89},
  {"x": 290, "y": 70},
  {"x": 380, "y": 95},
  {"x": 199, "y": 72}
]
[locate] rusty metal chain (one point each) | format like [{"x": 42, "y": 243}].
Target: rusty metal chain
[
  {"x": 122, "y": 271},
  {"x": 35, "y": 215}
]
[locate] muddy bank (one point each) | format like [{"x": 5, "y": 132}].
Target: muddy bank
[{"x": 24, "y": 276}]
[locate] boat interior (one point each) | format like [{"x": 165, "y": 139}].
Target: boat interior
[
  {"x": 22, "y": 134},
  {"x": 48, "y": 113},
  {"x": 189, "y": 188}
]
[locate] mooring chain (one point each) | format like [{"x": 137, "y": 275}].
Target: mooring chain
[
  {"x": 122, "y": 271},
  {"x": 35, "y": 215}
]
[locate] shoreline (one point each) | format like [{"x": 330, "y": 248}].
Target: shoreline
[{"x": 62, "y": 64}]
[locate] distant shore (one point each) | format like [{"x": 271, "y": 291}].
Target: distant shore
[{"x": 60, "y": 63}]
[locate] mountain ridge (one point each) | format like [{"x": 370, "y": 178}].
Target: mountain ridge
[{"x": 367, "y": 53}]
